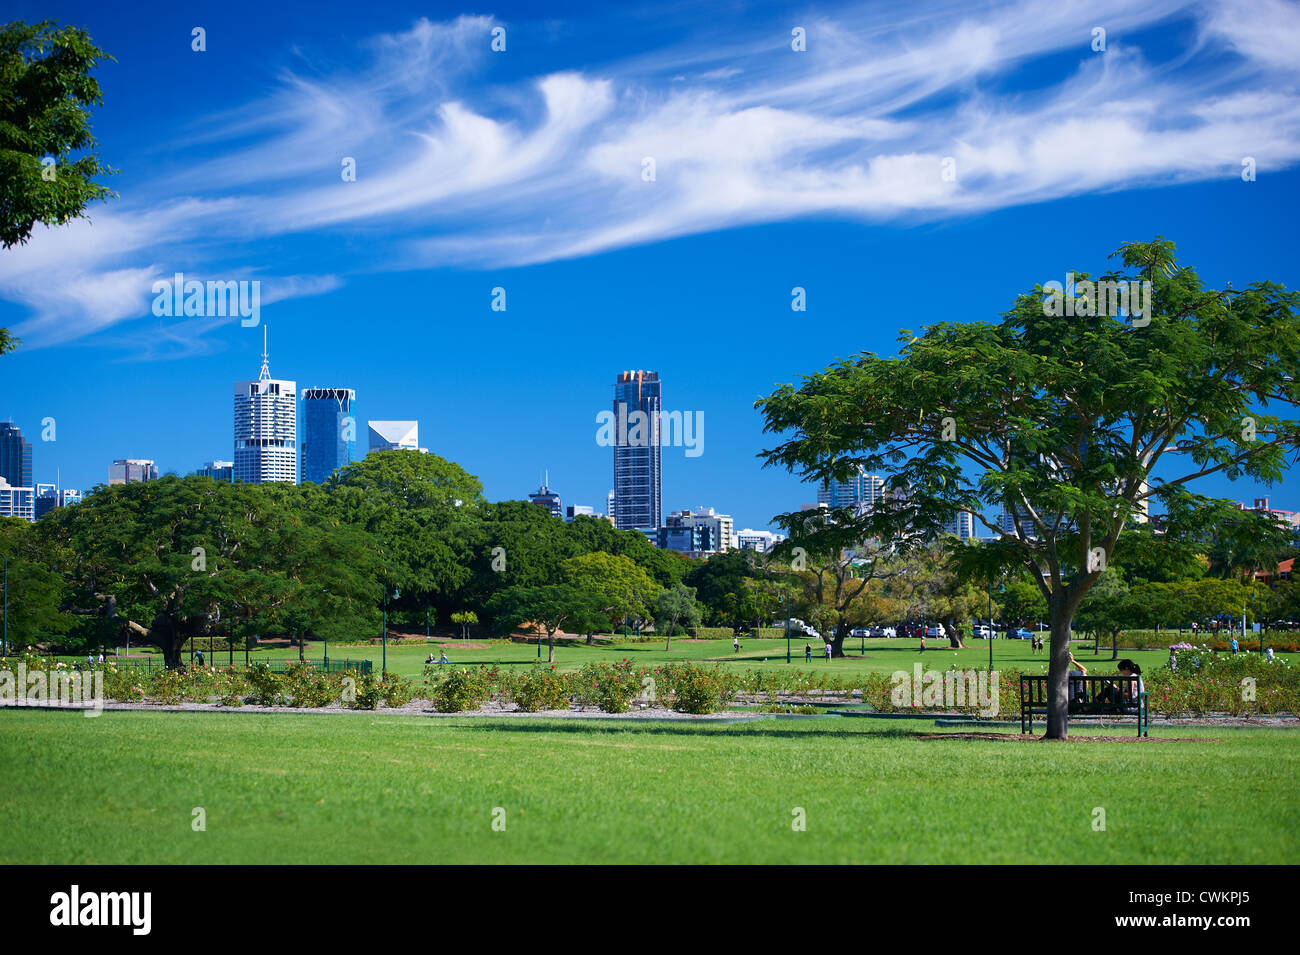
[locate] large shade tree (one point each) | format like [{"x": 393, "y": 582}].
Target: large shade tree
[{"x": 1070, "y": 417}]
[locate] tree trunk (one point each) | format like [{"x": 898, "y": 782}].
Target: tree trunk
[
  {"x": 550, "y": 647},
  {"x": 837, "y": 639},
  {"x": 954, "y": 636},
  {"x": 1114, "y": 645},
  {"x": 1058, "y": 671},
  {"x": 301, "y": 657}
]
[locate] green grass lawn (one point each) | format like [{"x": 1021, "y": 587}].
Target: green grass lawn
[
  {"x": 371, "y": 788},
  {"x": 882, "y": 655}
]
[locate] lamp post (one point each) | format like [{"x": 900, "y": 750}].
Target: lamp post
[
  {"x": 990, "y": 624},
  {"x": 781, "y": 601}
]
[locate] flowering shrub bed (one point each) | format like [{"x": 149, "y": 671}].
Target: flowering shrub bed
[
  {"x": 610, "y": 686},
  {"x": 697, "y": 689},
  {"x": 541, "y": 688},
  {"x": 454, "y": 690}
]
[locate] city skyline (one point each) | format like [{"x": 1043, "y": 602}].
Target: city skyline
[{"x": 380, "y": 286}]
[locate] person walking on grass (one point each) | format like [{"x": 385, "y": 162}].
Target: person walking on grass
[
  {"x": 735, "y": 644},
  {"x": 922, "y": 641},
  {"x": 828, "y": 651},
  {"x": 807, "y": 652}
]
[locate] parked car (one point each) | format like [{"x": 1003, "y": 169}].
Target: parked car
[
  {"x": 882, "y": 632},
  {"x": 981, "y": 632},
  {"x": 860, "y": 632},
  {"x": 1020, "y": 633},
  {"x": 935, "y": 631}
]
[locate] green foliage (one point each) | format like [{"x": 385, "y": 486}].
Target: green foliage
[
  {"x": 541, "y": 688},
  {"x": 46, "y": 92},
  {"x": 697, "y": 689},
  {"x": 457, "y": 690},
  {"x": 609, "y": 686}
]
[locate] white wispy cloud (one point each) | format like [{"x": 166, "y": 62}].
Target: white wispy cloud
[{"x": 452, "y": 169}]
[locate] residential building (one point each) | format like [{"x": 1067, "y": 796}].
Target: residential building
[
  {"x": 696, "y": 533},
  {"x": 638, "y": 455},
  {"x": 962, "y": 526},
  {"x": 329, "y": 424},
  {"x": 130, "y": 470},
  {"x": 266, "y": 427},
  {"x": 15, "y": 456},
  {"x": 17, "y": 502},
  {"x": 761, "y": 541},
  {"x": 580, "y": 510},
  {"x": 860, "y": 490}
]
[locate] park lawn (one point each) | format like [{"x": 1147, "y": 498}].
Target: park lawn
[
  {"x": 882, "y": 655},
  {"x": 375, "y": 788}
]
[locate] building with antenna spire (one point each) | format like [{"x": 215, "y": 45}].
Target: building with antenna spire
[
  {"x": 545, "y": 497},
  {"x": 266, "y": 427}
]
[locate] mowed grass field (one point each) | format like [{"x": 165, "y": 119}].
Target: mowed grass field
[
  {"x": 370, "y": 788},
  {"x": 879, "y": 655}
]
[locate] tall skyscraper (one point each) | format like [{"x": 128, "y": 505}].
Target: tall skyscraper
[
  {"x": 266, "y": 427},
  {"x": 329, "y": 439},
  {"x": 15, "y": 456},
  {"x": 638, "y": 456},
  {"x": 130, "y": 470}
]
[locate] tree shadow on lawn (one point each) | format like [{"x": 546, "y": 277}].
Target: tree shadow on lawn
[{"x": 758, "y": 728}]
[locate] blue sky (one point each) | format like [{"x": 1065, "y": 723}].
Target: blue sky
[{"x": 523, "y": 169}]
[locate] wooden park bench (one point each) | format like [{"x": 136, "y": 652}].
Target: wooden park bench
[{"x": 1095, "y": 697}]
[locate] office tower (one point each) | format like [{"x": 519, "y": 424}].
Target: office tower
[
  {"x": 266, "y": 427},
  {"x": 696, "y": 533},
  {"x": 218, "y": 470},
  {"x": 545, "y": 497},
  {"x": 47, "y": 499},
  {"x": 329, "y": 431},
  {"x": 638, "y": 460},
  {"x": 609, "y": 504},
  {"x": 15, "y": 456},
  {"x": 130, "y": 470},
  {"x": 395, "y": 436},
  {"x": 579, "y": 510},
  {"x": 49, "y": 496},
  {"x": 17, "y": 502},
  {"x": 860, "y": 490}
]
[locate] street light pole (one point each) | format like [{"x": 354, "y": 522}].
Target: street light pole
[{"x": 990, "y": 624}]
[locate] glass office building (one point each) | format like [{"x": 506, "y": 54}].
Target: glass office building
[
  {"x": 15, "y": 456},
  {"x": 638, "y": 455},
  {"x": 329, "y": 439}
]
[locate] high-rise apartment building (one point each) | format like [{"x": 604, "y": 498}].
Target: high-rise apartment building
[
  {"x": 130, "y": 470},
  {"x": 860, "y": 490},
  {"x": 329, "y": 439},
  {"x": 266, "y": 427},
  {"x": 638, "y": 457},
  {"x": 696, "y": 533},
  {"x": 17, "y": 502},
  {"x": 761, "y": 541},
  {"x": 15, "y": 456},
  {"x": 962, "y": 525}
]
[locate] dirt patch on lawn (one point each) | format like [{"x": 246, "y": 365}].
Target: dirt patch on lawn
[
  {"x": 1028, "y": 738},
  {"x": 457, "y": 645}
]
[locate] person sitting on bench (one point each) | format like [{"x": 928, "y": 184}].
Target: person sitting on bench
[
  {"x": 1126, "y": 694},
  {"x": 1077, "y": 669}
]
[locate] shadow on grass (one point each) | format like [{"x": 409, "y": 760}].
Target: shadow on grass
[{"x": 766, "y": 728}]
